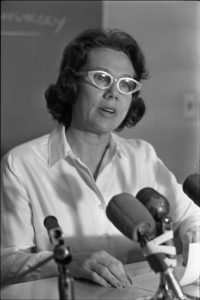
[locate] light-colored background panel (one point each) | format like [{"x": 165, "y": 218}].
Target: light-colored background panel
[{"x": 168, "y": 33}]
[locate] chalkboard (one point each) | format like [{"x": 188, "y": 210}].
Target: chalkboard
[{"x": 33, "y": 36}]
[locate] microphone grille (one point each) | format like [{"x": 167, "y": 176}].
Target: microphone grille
[
  {"x": 50, "y": 222},
  {"x": 126, "y": 213},
  {"x": 156, "y": 203}
]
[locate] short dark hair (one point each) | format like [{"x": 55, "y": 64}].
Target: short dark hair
[{"x": 61, "y": 95}]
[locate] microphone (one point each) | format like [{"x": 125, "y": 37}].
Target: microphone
[
  {"x": 133, "y": 220},
  {"x": 191, "y": 188},
  {"x": 62, "y": 253},
  {"x": 130, "y": 216},
  {"x": 54, "y": 230},
  {"x": 62, "y": 257},
  {"x": 159, "y": 207}
]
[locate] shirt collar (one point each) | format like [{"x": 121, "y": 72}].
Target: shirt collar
[
  {"x": 58, "y": 145},
  {"x": 59, "y": 148},
  {"x": 115, "y": 145}
]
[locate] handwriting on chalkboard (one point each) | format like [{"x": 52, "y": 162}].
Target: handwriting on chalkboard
[{"x": 41, "y": 20}]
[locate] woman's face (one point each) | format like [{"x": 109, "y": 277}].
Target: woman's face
[{"x": 101, "y": 111}]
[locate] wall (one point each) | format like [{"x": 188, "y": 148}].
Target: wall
[
  {"x": 33, "y": 35},
  {"x": 168, "y": 33}
]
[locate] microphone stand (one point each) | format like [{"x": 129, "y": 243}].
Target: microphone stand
[
  {"x": 169, "y": 288},
  {"x": 168, "y": 282},
  {"x": 63, "y": 257},
  {"x": 163, "y": 292}
]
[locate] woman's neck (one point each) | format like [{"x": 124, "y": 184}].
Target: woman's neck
[
  {"x": 89, "y": 147},
  {"x": 87, "y": 143}
]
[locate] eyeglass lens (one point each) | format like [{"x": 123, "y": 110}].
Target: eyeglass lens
[
  {"x": 103, "y": 80},
  {"x": 127, "y": 85}
]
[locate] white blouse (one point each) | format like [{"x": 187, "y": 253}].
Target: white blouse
[{"x": 43, "y": 177}]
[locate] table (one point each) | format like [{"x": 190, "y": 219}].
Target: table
[{"x": 145, "y": 283}]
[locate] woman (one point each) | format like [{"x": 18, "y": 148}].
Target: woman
[{"x": 73, "y": 172}]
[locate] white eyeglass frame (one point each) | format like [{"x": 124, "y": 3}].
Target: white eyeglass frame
[{"x": 113, "y": 79}]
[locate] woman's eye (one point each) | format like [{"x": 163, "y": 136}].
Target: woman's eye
[
  {"x": 125, "y": 85},
  {"x": 101, "y": 77}
]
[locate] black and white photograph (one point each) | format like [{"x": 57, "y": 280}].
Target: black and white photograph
[{"x": 100, "y": 150}]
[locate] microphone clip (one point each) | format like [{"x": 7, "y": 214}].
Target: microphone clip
[{"x": 62, "y": 254}]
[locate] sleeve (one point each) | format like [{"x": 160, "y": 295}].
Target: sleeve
[
  {"x": 16, "y": 224},
  {"x": 184, "y": 213},
  {"x": 16, "y": 266},
  {"x": 17, "y": 232}
]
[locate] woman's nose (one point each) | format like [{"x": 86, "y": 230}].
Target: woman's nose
[{"x": 112, "y": 92}]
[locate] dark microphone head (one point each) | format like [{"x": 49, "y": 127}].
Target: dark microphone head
[
  {"x": 156, "y": 203},
  {"x": 191, "y": 188},
  {"x": 128, "y": 214},
  {"x": 54, "y": 230},
  {"x": 50, "y": 222}
]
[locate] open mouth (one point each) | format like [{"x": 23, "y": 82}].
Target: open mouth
[{"x": 108, "y": 110}]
